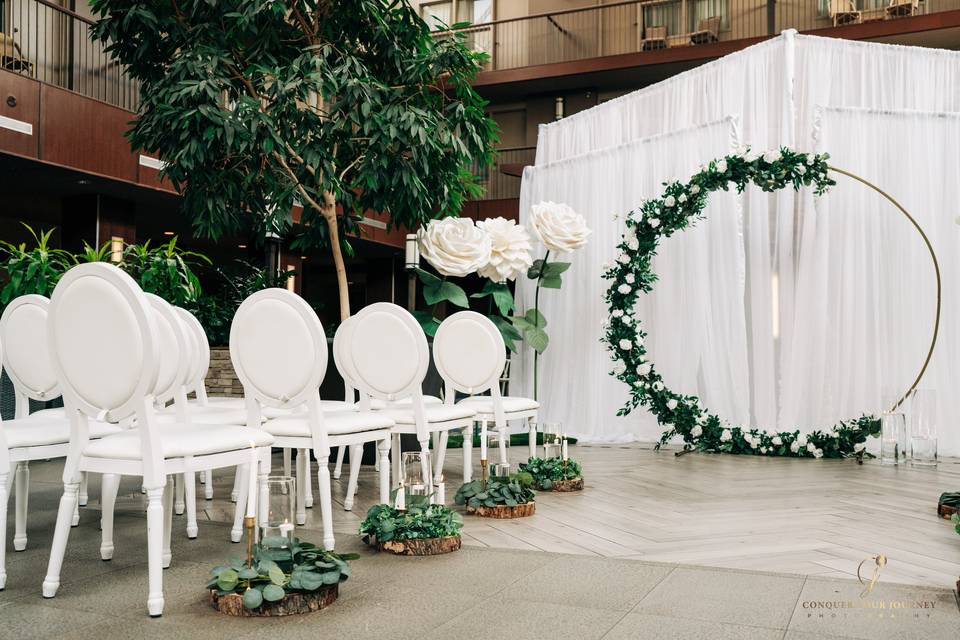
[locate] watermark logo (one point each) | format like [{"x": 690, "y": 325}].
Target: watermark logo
[{"x": 879, "y": 562}]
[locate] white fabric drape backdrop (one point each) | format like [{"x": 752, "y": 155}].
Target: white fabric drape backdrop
[
  {"x": 696, "y": 310},
  {"x": 865, "y": 283}
]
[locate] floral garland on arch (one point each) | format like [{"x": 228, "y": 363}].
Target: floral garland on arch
[{"x": 680, "y": 206}]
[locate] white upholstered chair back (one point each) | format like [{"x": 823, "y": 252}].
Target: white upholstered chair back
[
  {"x": 175, "y": 363},
  {"x": 385, "y": 352},
  {"x": 26, "y": 357},
  {"x": 200, "y": 354},
  {"x": 469, "y": 354},
  {"x": 341, "y": 338}
]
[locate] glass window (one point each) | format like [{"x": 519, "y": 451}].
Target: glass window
[
  {"x": 438, "y": 15},
  {"x": 475, "y": 11},
  {"x": 666, "y": 15},
  {"x": 704, "y": 9}
]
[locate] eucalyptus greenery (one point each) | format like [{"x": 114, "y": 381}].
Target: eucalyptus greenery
[
  {"x": 341, "y": 106},
  {"x": 680, "y": 206},
  {"x": 510, "y": 491},
  {"x": 32, "y": 270},
  {"x": 546, "y": 471},
  {"x": 421, "y": 520},
  {"x": 955, "y": 519},
  {"x": 301, "y": 568}
]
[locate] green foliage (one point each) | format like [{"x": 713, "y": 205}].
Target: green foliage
[
  {"x": 256, "y": 105},
  {"x": 455, "y": 440},
  {"x": 31, "y": 271},
  {"x": 303, "y": 567},
  {"x": 956, "y": 521},
  {"x": 165, "y": 270},
  {"x": 531, "y": 325},
  {"x": 511, "y": 491},
  {"x": 420, "y": 520},
  {"x": 547, "y": 471}
]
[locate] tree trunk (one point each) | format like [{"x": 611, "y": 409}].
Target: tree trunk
[{"x": 329, "y": 212}]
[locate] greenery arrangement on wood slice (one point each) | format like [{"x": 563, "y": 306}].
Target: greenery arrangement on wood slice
[
  {"x": 546, "y": 471},
  {"x": 420, "y": 521},
  {"x": 455, "y": 440},
  {"x": 301, "y": 568},
  {"x": 681, "y": 205},
  {"x": 509, "y": 491}
]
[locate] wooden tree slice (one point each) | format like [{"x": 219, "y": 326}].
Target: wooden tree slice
[
  {"x": 421, "y": 546},
  {"x": 945, "y": 511},
  {"x": 564, "y": 486},
  {"x": 504, "y": 512},
  {"x": 292, "y": 604}
]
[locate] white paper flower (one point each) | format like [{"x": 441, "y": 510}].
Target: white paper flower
[
  {"x": 695, "y": 189},
  {"x": 658, "y": 386},
  {"x": 619, "y": 368},
  {"x": 722, "y": 166},
  {"x": 558, "y": 226},
  {"x": 625, "y": 344},
  {"x": 860, "y": 446},
  {"x": 617, "y": 313},
  {"x": 697, "y": 431},
  {"x": 682, "y": 198},
  {"x": 630, "y": 278},
  {"x": 777, "y": 441},
  {"x": 455, "y": 246},
  {"x": 653, "y": 222},
  {"x": 644, "y": 369},
  {"x": 624, "y": 288},
  {"x": 726, "y": 436},
  {"x": 802, "y": 441},
  {"x": 771, "y": 156},
  {"x": 671, "y": 404},
  {"x": 509, "y": 250},
  {"x": 669, "y": 201}
]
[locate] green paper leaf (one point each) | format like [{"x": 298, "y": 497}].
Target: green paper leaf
[
  {"x": 554, "y": 268},
  {"x": 252, "y": 598},
  {"x": 427, "y": 278},
  {"x": 277, "y": 576},
  {"x": 538, "y": 339},
  {"x": 551, "y": 282},
  {"x": 535, "y": 318},
  {"x": 428, "y": 323},
  {"x": 273, "y": 593}
]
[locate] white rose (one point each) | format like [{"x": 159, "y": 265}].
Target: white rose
[
  {"x": 763, "y": 450},
  {"x": 802, "y": 441},
  {"x": 818, "y": 453},
  {"x": 811, "y": 160},
  {"x": 669, "y": 201},
  {"x": 653, "y": 222},
  {"x": 726, "y": 436},
  {"x": 771, "y": 156},
  {"x": 623, "y": 258},
  {"x": 695, "y": 189},
  {"x": 624, "y": 289},
  {"x": 794, "y": 446},
  {"x": 558, "y": 226},
  {"x": 636, "y": 215},
  {"x": 752, "y": 156},
  {"x": 644, "y": 369},
  {"x": 682, "y": 198},
  {"x": 455, "y": 246},
  {"x": 811, "y": 447},
  {"x": 617, "y": 313},
  {"x": 628, "y": 320},
  {"x": 625, "y": 344},
  {"x": 722, "y": 166},
  {"x": 658, "y": 386},
  {"x": 860, "y": 446},
  {"x": 697, "y": 431},
  {"x": 777, "y": 441},
  {"x": 801, "y": 169},
  {"x": 630, "y": 278},
  {"x": 754, "y": 444},
  {"x": 633, "y": 244},
  {"x": 509, "y": 250},
  {"x": 619, "y": 367},
  {"x": 671, "y": 404}
]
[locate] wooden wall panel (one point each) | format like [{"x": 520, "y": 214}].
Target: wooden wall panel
[
  {"x": 26, "y": 95},
  {"x": 149, "y": 176},
  {"x": 85, "y": 134}
]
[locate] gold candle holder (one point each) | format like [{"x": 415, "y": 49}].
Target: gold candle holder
[
  {"x": 249, "y": 523},
  {"x": 483, "y": 474}
]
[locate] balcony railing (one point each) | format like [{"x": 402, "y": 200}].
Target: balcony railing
[
  {"x": 644, "y": 25},
  {"x": 499, "y": 185},
  {"x": 46, "y": 42}
]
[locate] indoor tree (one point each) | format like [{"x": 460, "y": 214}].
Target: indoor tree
[{"x": 341, "y": 106}]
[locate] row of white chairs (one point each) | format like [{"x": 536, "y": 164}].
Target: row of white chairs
[{"x": 126, "y": 361}]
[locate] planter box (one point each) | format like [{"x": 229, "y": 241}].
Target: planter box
[
  {"x": 292, "y": 604},
  {"x": 421, "y": 546},
  {"x": 503, "y": 512},
  {"x": 566, "y": 486}
]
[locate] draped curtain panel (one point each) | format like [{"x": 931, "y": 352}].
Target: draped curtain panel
[{"x": 774, "y": 91}]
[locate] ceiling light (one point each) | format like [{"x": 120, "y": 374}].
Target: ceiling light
[
  {"x": 241, "y": 246},
  {"x": 168, "y": 233}
]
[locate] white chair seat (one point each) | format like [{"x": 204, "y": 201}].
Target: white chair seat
[
  {"x": 179, "y": 440},
  {"x": 379, "y": 405},
  {"x": 206, "y": 416},
  {"x": 57, "y": 413},
  {"x": 272, "y": 412},
  {"x": 484, "y": 404},
  {"x": 434, "y": 414},
  {"x": 336, "y": 423},
  {"x": 32, "y": 432}
]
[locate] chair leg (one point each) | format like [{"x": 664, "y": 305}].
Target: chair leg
[
  {"x": 425, "y": 471},
  {"x": 109, "y": 486},
  {"x": 155, "y": 528},
  {"x": 180, "y": 502},
  {"x": 287, "y": 462},
  {"x": 504, "y": 434},
  {"x": 326, "y": 511},
  {"x": 4, "y": 493},
  {"x": 75, "y": 520},
  {"x": 83, "y": 498},
  {"x": 236, "y": 533},
  {"x": 237, "y": 478},
  {"x": 190, "y": 489},
  {"x": 166, "y": 555},
  {"x": 356, "y": 453},
  {"x": 207, "y": 477},
  {"x": 395, "y": 464},
  {"x": 339, "y": 468},
  {"x": 301, "y": 488},
  {"x": 22, "y": 489},
  {"x": 308, "y": 496},
  {"x": 61, "y": 534},
  {"x": 467, "y": 454},
  {"x": 441, "y": 451},
  {"x": 532, "y": 436},
  {"x": 483, "y": 440},
  {"x": 384, "y": 459}
]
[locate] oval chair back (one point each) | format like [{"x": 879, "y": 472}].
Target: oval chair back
[
  {"x": 26, "y": 359},
  {"x": 279, "y": 351},
  {"x": 201, "y": 354},
  {"x": 469, "y": 354},
  {"x": 341, "y": 338},
  {"x": 175, "y": 363}
]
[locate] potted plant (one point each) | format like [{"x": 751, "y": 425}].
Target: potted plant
[
  {"x": 554, "y": 474},
  {"x": 422, "y": 529},
  {"x": 948, "y": 504},
  {"x": 499, "y": 496},
  {"x": 279, "y": 581}
]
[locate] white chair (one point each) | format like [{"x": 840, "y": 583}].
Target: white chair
[
  {"x": 104, "y": 344},
  {"x": 26, "y": 359},
  {"x": 383, "y": 352},
  {"x": 469, "y": 354},
  {"x": 279, "y": 351}
]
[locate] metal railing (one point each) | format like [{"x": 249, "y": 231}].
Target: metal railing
[
  {"x": 642, "y": 25},
  {"x": 497, "y": 184},
  {"x": 46, "y": 42}
]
